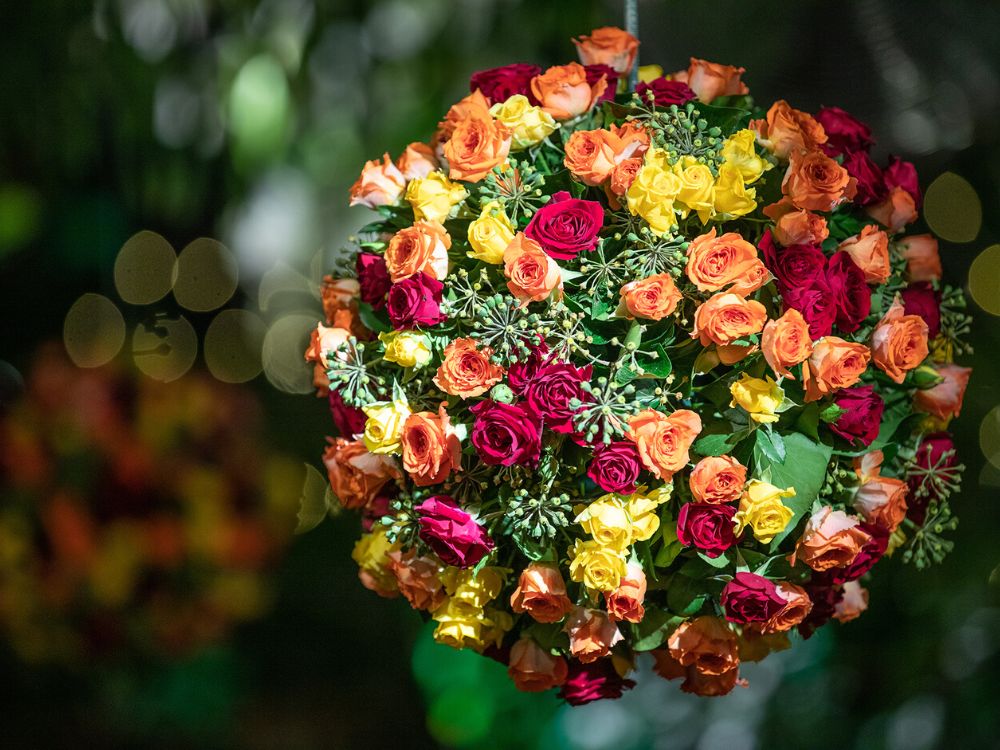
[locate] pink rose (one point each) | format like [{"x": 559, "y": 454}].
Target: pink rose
[
  {"x": 751, "y": 598},
  {"x": 565, "y": 226},
  {"x": 862, "y": 415},
  {"x": 844, "y": 132},
  {"x": 506, "y": 434},
  {"x": 615, "y": 467},
  {"x": 415, "y": 301},
  {"x": 595, "y": 681},
  {"x": 452, "y": 533}
]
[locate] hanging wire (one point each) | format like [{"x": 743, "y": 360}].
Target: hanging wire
[{"x": 632, "y": 27}]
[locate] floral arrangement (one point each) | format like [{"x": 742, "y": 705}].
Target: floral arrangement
[
  {"x": 638, "y": 371},
  {"x": 139, "y": 518}
]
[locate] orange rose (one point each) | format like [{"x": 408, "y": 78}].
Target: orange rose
[
  {"x": 787, "y": 131},
  {"x": 627, "y": 140},
  {"x": 882, "y": 502},
  {"x": 625, "y": 602},
  {"x": 541, "y": 592},
  {"x": 591, "y": 634},
  {"x": 609, "y": 46},
  {"x": 899, "y": 342},
  {"x": 870, "y": 251},
  {"x": 623, "y": 175},
  {"x": 896, "y": 211},
  {"x": 531, "y": 274},
  {"x": 466, "y": 371},
  {"x": 714, "y": 262},
  {"x": 868, "y": 465},
  {"x": 816, "y": 182},
  {"x": 664, "y": 441},
  {"x": 794, "y": 226},
  {"x": 717, "y": 480},
  {"x": 753, "y": 278},
  {"x": 431, "y": 450},
  {"x": 338, "y": 294},
  {"x": 533, "y": 669},
  {"x": 421, "y": 248},
  {"x": 356, "y": 475},
  {"x": 378, "y": 185},
  {"x": 709, "y": 80},
  {"x": 832, "y": 539},
  {"x": 706, "y": 643},
  {"x": 564, "y": 93},
  {"x": 923, "y": 263},
  {"x": 474, "y": 105},
  {"x": 418, "y": 160},
  {"x": 322, "y": 342},
  {"x": 418, "y": 579},
  {"x": 590, "y": 156},
  {"x": 797, "y": 606},
  {"x": 477, "y": 144},
  {"x": 785, "y": 342},
  {"x": 726, "y": 317},
  {"x": 944, "y": 400},
  {"x": 653, "y": 298},
  {"x": 834, "y": 364},
  {"x": 698, "y": 683},
  {"x": 853, "y": 602}
]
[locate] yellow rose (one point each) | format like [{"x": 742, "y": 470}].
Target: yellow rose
[
  {"x": 649, "y": 73},
  {"x": 738, "y": 150},
  {"x": 406, "y": 348},
  {"x": 732, "y": 197},
  {"x": 697, "y": 188},
  {"x": 652, "y": 193},
  {"x": 597, "y": 567},
  {"x": 433, "y": 196},
  {"x": 385, "y": 425},
  {"x": 459, "y": 625},
  {"x": 761, "y": 399},
  {"x": 371, "y": 553},
  {"x": 642, "y": 509},
  {"x": 495, "y": 623},
  {"x": 607, "y": 520},
  {"x": 476, "y": 590},
  {"x": 490, "y": 234},
  {"x": 528, "y": 125},
  {"x": 762, "y": 510}
]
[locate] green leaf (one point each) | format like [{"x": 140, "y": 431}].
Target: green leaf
[
  {"x": 375, "y": 321},
  {"x": 720, "y": 562},
  {"x": 659, "y": 367},
  {"x": 716, "y": 445},
  {"x": 831, "y": 413},
  {"x": 808, "y": 421},
  {"x": 315, "y": 502},
  {"x": 625, "y": 375},
  {"x": 685, "y": 596},
  {"x": 654, "y": 629}
]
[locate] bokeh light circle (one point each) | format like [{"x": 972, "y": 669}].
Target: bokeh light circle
[
  {"x": 207, "y": 275},
  {"x": 989, "y": 436},
  {"x": 952, "y": 208},
  {"x": 984, "y": 279},
  {"x": 165, "y": 348},
  {"x": 93, "y": 331},
  {"x": 145, "y": 268},
  {"x": 233, "y": 344},
  {"x": 284, "y": 344}
]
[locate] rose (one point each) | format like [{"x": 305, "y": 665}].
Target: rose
[
  {"x": 419, "y": 248},
  {"x": 762, "y": 510},
  {"x": 844, "y": 132},
  {"x": 697, "y": 191},
  {"x": 862, "y": 415},
  {"x": 654, "y": 297},
  {"x": 608, "y": 45},
  {"x": 785, "y": 342},
  {"x": 405, "y": 348},
  {"x": 797, "y": 605},
  {"x": 596, "y": 566},
  {"x": 760, "y": 398},
  {"x": 622, "y": 177},
  {"x": 373, "y": 279},
  {"x": 695, "y": 682},
  {"x": 653, "y": 192},
  {"x": 871, "y": 185},
  {"x": 923, "y": 300},
  {"x": 371, "y": 553},
  {"x": 565, "y": 226},
  {"x": 625, "y": 602},
  {"x": 715, "y": 262},
  {"x": 664, "y": 441},
  {"x": 417, "y": 160},
  {"x": 833, "y": 365},
  {"x": 452, "y": 533},
  {"x": 590, "y": 155},
  {"x": 615, "y": 467},
  {"x": 923, "y": 262},
  {"x": 816, "y": 305},
  {"x": 902, "y": 174},
  {"x": 750, "y": 598},
  {"x": 787, "y": 131},
  {"x": 710, "y": 80},
  {"x": 433, "y": 197},
  {"x": 474, "y": 105},
  {"x": 816, "y": 182},
  {"x": 591, "y": 682},
  {"x": 726, "y": 317},
  {"x": 595, "y": 73},
  {"x": 500, "y": 84},
  {"x": 739, "y": 150},
  {"x": 541, "y": 592},
  {"x": 477, "y": 144},
  {"x": 527, "y": 124},
  {"x": 709, "y": 528},
  {"x": 505, "y": 434},
  {"x": 871, "y": 552},
  {"x": 323, "y": 342},
  {"x": 563, "y": 91},
  {"x": 795, "y": 267},
  {"x": 384, "y": 425},
  {"x": 415, "y": 301},
  {"x": 549, "y": 393},
  {"x": 607, "y": 521},
  {"x": 379, "y": 184},
  {"x": 944, "y": 400},
  {"x": 532, "y": 276},
  {"x": 732, "y": 197},
  {"x": 852, "y": 603},
  {"x": 533, "y": 669},
  {"x": 896, "y": 211},
  {"x": 418, "y": 579},
  {"x": 869, "y": 250},
  {"x": 899, "y": 343},
  {"x": 591, "y": 634},
  {"x": 523, "y": 371},
  {"x": 824, "y": 597},
  {"x": 881, "y": 501},
  {"x": 832, "y": 539},
  {"x": 339, "y": 298},
  {"x": 467, "y": 371},
  {"x": 430, "y": 447},
  {"x": 663, "y": 92},
  {"x": 796, "y": 226},
  {"x": 848, "y": 291},
  {"x": 348, "y": 420},
  {"x": 717, "y": 480},
  {"x": 490, "y": 234},
  {"x": 706, "y": 643},
  {"x": 356, "y": 476}
]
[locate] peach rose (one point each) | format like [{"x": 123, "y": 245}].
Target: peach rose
[
  {"x": 474, "y": 105},
  {"x": 533, "y": 669},
  {"x": 625, "y": 602},
  {"x": 322, "y": 342},
  {"x": 944, "y": 400},
  {"x": 627, "y": 140},
  {"x": 797, "y": 606},
  {"x": 882, "y": 502},
  {"x": 564, "y": 93},
  {"x": 726, "y": 317},
  {"x": 753, "y": 278},
  {"x": 816, "y": 182},
  {"x": 431, "y": 450},
  {"x": 466, "y": 371},
  {"x": 356, "y": 476},
  {"x": 541, "y": 592},
  {"x": 664, "y": 441},
  {"x": 787, "y": 131},
  {"x": 832, "y": 539},
  {"x": 796, "y": 226},
  {"x": 622, "y": 177},
  {"x": 420, "y": 248},
  {"x": 609, "y": 46},
  {"x": 896, "y": 211},
  {"x": 652, "y": 298},
  {"x": 698, "y": 683},
  {"x": 379, "y": 184},
  {"x": 785, "y": 342},
  {"x": 338, "y": 295},
  {"x": 418, "y": 579},
  {"x": 591, "y": 634},
  {"x": 853, "y": 602},
  {"x": 706, "y": 643},
  {"x": 531, "y": 274},
  {"x": 709, "y": 80},
  {"x": 477, "y": 144},
  {"x": 417, "y": 160},
  {"x": 923, "y": 262},
  {"x": 870, "y": 251},
  {"x": 590, "y": 156},
  {"x": 868, "y": 465},
  {"x": 714, "y": 262},
  {"x": 834, "y": 364},
  {"x": 899, "y": 342},
  {"x": 717, "y": 480}
]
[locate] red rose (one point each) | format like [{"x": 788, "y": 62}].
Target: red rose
[
  {"x": 550, "y": 391},
  {"x": 665, "y": 92},
  {"x": 506, "y": 434},
  {"x": 795, "y": 266},
  {"x": 924, "y": 300},
  {"x": 851, "y": 295},
  {"x": 523, "y": 371},
  {"x": 452, "y": 533},
  {"x": 566, "y": 226},
  {"x": 903, "y": 174},
  {"x": 593, "y": 681},
  {"x": 871, "y": 182},
  {"x": 373, "y": 279},
  {"x": 594, "y": 73},
  {"x": 751, "y": 598},
  {"x": 500, "y": 84},
  {"x": 816, "y": 305},
  {"x": 415, "y": 301},
  {"x": 862, "y": 415},
  {"x": 615, "y": 467},
  {"x": 348, "y": 420},
  {"x": 844, "y": 132},
  {"x": 706, "y": 527}
]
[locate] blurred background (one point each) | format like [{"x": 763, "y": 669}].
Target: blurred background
[{"x": 173, "y": 182}]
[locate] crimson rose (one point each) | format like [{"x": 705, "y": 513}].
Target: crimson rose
[
  {"x": 921, "y": 298},
  {"x": 550, "y": 391},
  {"x": 415, "y": 301},
  {"x": 794, "y": 267},
  {"x": 452, "y": 533},
  {"x": 594, "y": 73},
  {"x": 851, "y": 296},
  {"x": 566, "y": 226},
  {"x": 348, "y": 420},
  {"x": 706, "y": 527},
  {"x": 373, "y": 279},
  {"x": 500, "y": 84},
  {"x": 844, "y": 132},
  {"x": 751, "y": 598},
  {"x": 665, "y": 92},
  {"x": 816, "y": 305},
  {"x": 871, "y": 182},
  {"x": 593, "y": 681},
  {"x": 903, "y": 174},
  {"x": 862, "y": 415},
  {"x": 615, "y": 467},
  {"x": 506, "y": 434}
]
